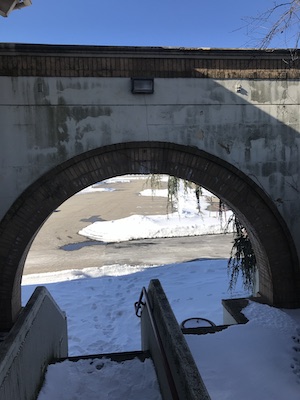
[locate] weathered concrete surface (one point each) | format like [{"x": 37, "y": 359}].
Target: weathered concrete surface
[
  {"x": 160, "y": 330},
  {"x": 38, "y": 337},
  {"x": 225, "y": 119},
  {"x": 257, "y": 131}
]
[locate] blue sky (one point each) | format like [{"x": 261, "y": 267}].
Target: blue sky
[{"x": 176, "y": 23}]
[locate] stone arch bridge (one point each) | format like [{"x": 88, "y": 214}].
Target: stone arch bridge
[{"x": 225, "y": 119}]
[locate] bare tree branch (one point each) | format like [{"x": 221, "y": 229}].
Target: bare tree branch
[{"x": 281, "y": 19}]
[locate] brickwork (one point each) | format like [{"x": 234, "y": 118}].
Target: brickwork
[
  {"x": 275, "y": 252},
  {"x": 278, "y": 286},
  {"x": 103, "y": 61}
]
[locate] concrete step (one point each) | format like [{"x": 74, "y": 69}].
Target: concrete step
[{"x": 118, "y": 357}]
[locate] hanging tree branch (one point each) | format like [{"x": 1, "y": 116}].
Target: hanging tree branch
[
  {"x": 281, "y": 19},
  {"x": 242, "y": 258}
]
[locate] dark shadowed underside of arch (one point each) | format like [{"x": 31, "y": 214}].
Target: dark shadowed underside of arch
[{"x": 274, "y": 249}]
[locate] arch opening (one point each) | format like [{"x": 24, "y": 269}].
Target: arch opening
[
  {"x": 104, "y": 267},
  {"x": 273, "y": 247}
]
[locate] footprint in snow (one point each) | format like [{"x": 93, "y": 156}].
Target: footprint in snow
[{"x": 295, "y": 365}]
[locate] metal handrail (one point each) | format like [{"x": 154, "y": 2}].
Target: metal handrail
[{"x": 138, "y": 310}]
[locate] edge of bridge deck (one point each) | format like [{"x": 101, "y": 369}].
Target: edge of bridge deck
[
  {"x": 47, "y": 60},
  {"x": 206, "y": 52}
]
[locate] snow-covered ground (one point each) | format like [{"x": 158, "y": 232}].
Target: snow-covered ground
[
  {"x": 190, "y": 219},
  {"x": 259, "y": 360}
]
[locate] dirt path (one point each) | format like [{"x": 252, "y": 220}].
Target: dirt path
[
  {"x": 121, "y": 200},
  {"x": 58, "y": 246},
  {"x": 82, "y": 210}
]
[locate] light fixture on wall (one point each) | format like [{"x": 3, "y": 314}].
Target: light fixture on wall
[
  {"x": 238, "y": 88},
  {"x": 6, "y": 6},
  {"x": 142, "y": 85}
]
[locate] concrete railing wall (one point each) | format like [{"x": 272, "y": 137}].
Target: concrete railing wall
[
  {"x": 233, "y": 311},
  {"x": 184, "y": 372},
  {"x": 38, "y": 336}
]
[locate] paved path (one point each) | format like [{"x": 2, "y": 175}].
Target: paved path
[{"x": 58, "y": 246}]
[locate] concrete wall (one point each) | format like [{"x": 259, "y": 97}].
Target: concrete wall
[
  {"x": 226, "y": 118},
  {"x": 46, "y": 121},
  {"x": 38, "y": 336},
  {"x": 183, "y": 370},
  {"x": 233, "y": 311}
]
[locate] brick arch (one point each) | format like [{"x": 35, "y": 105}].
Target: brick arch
[{"x": 277, "y": 260}]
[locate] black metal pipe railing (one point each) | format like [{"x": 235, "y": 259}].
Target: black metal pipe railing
[{"x": 166, "y": 366}]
